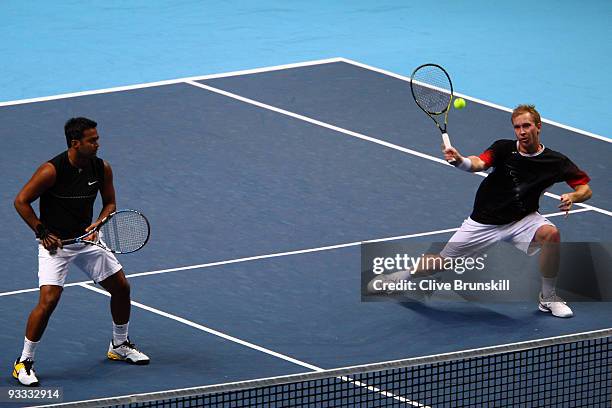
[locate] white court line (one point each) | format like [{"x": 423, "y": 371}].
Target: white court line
[
  {"x": 276, "y": 68},
  {"x": 357, "y": 135},
  {"x": 170, "y": 82},
  {"x": 316, "y": 122},
  {"x": 278, "y": 254},
  {"x": 252, "y": 345},
  {"x": 480, "y": 101}
]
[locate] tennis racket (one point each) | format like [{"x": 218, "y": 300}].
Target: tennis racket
[
  {"x": 432, "y": 91},
  {"x": 121, "y": 232}
]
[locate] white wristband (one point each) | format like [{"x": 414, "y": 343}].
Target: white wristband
[{"x": 465, "y": 165}]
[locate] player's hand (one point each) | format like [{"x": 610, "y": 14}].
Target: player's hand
[
  {"x": 451, "y": 155},
  {"x": 94, "y": 235},
  {"x": 51, "y": 243},
  {"x": 566, "y": 203}
]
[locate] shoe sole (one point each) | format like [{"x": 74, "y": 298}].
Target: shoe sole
[{"x": 116, "y": 357}]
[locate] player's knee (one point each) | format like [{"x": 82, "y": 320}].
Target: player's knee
[
  {"x": 551, "y": 234},
  {"x": 122, "y": 289},
  {"x": 117, "y": 285},
  {"x": 48, "y": 301}
]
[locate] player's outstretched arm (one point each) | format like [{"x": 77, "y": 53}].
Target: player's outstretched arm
[{"x": 470, "y": 163}]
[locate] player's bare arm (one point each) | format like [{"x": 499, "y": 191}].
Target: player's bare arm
[
  {"x": 581, "y": 193},
  {"x": 452, "y": 155},
  {"x": 41, "y": 181}
]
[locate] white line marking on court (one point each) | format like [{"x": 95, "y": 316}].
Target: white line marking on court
[
  {"x": 357, "y": 135},
  {"x": 277, "y": 68},
  {"x": 190, "y": 80},
  {"x": 480, "y": 101},
  {"x": 249, "y": 345},
  {"x": 279, "y": 254},
  {"x": 316, "y": 122},
  {"x": 17, "y": 292},
  {"x": 585, "y": 206},
  {"x": 171, "y": 82},
  {"x": 208, "y": 330}
]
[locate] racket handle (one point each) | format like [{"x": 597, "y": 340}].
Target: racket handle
[
  {"x": 447, "y": 144},
  {"x": 446, "y": 140}
]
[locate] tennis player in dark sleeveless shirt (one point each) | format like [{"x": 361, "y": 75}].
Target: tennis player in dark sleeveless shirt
[
  {"x": 507, "y": 202},
  {"x": 67, "y": 186}
]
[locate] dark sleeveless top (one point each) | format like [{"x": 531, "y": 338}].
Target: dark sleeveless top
[{"x": 66, "y": 209}]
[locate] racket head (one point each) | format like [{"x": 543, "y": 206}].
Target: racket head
[
  {"x": 123, "y": 232},
  {"x": 431, "y": 88}
]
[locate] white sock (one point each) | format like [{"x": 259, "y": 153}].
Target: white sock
[
  {"x": 29, "y": 349},
  {"x": 120, "y": 333},
  {"x": 548, "y": 286}
]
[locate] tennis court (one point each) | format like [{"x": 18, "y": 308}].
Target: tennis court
[
  {"x": 260, "y": 186},
  {"x": 289, "y": 147}
]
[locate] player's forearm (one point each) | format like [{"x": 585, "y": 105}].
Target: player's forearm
[
  {"x": 477, "y": 164},
  {"x": 582, "y": 193},
  {"x": 107, "y": 210}
]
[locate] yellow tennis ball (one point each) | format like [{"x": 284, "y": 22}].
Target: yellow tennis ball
[{"x": 459, "y": 103}]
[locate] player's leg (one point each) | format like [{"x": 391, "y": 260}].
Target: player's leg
[
  {"x": 104, "y": 268},
  {"x": 470, "y": 239},
  {"x": 121, "y": 348},
  {"x": 52, "y": 271},
  {"x": 23, "y": 368},
  {"x": 119, "y": 288},
  {"x": 548, "y": 238},
  {"x": 48, "y": 299},
  {"x": 534, "y": 234}
]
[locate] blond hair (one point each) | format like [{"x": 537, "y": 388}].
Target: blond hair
[{"x": 519, "y": 110}]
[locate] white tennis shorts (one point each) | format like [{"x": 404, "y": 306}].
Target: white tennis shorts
[
  {"x": 97, "y": 263},
  {"x": 473, "y": 237}
]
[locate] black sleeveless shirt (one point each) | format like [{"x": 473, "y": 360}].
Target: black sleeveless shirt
[{"x": 66, "y": 209}]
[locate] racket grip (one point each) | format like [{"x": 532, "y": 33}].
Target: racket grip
[
  {"x": 446, "y": 140},
  {"x": 447, "y": 144}
]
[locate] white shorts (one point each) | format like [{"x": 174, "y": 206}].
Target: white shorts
[
  {"x": 473, "y": 237},
  {"x": 97, "y": 263}
]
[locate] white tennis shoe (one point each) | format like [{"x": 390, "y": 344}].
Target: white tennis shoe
[
  {"x": 23, "y": 371},
  {"x": 127, "y": 352},
  {"x": 555, "y": 305}
]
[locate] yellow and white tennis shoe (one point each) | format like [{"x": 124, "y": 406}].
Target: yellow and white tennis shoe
[
  {"x": 555, "y": 305},
  {"x": 23, "y": 371},
  {"x": 127, "y": 352}
]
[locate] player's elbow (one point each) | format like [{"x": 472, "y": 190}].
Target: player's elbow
[
  {"x": 22, "y": 202},
  {"x": 19, "y": 202}
]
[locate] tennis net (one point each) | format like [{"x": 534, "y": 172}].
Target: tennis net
[{"x": 566, "y": 371}]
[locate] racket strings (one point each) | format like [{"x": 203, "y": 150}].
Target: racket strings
[
  {"x": 125, "y": 232},
  {"x": 432, "y": 89}
]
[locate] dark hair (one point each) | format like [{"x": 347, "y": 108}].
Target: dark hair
[{"x": 75, "y": 127}]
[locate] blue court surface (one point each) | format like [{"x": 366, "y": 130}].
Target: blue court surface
[{"x": 260, "y": 186}]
